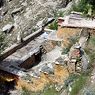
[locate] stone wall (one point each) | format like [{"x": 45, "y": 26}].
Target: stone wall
[{"x": 15, "y": 47}]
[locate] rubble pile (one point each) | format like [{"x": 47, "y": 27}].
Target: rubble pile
[{"x": 59, "y": 75}]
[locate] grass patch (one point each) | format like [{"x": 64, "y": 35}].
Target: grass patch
[
  {"x": 81, "y": 7},
  {"x": 25, "y": 91},
  {"x": 70, "y": 79},
  {"x": 50, "y": 90},
  {"x": 92, "y": 40},
  {"x": 78, "y": 84},
  {"x": 90, "y": 50}
]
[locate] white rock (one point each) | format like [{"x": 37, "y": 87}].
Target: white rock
[
  {"x": 7, "y": 27},
  {"x": 70, "y": 89},
  {"x": 17, "y": 10},
  {"x": 24, "y": 4},
  {"x": 40, "y": 23},
  {"x": 28, "y": 13}
]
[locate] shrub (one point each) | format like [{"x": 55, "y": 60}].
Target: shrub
[
  {"x": 3, "y": 42},
  {"x": 70, "y": 79},
  {"x": 81, "y": 7},
  {"x": 65, "y": 50},
  {"x": 53, "y": 25}
]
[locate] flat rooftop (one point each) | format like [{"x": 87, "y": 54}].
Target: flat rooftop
[{"x": 77, "y": 20}]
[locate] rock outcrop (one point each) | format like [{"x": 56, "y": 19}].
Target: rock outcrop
[{"x": 24, "y": 14}]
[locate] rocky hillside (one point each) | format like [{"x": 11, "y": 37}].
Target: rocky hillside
[{"x": 26, "y": 15}]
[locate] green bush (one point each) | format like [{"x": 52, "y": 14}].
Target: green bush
[
  {"x": 53, "y": 25},
  {"x": 85, "y": 6},
  {"x": 65, "y": 50},
  {"x": 81, "y": 7}
]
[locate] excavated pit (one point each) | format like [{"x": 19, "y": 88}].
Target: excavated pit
[
  {"x": 30, "y": 62},
  {"x": 33, "y": 60}
]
